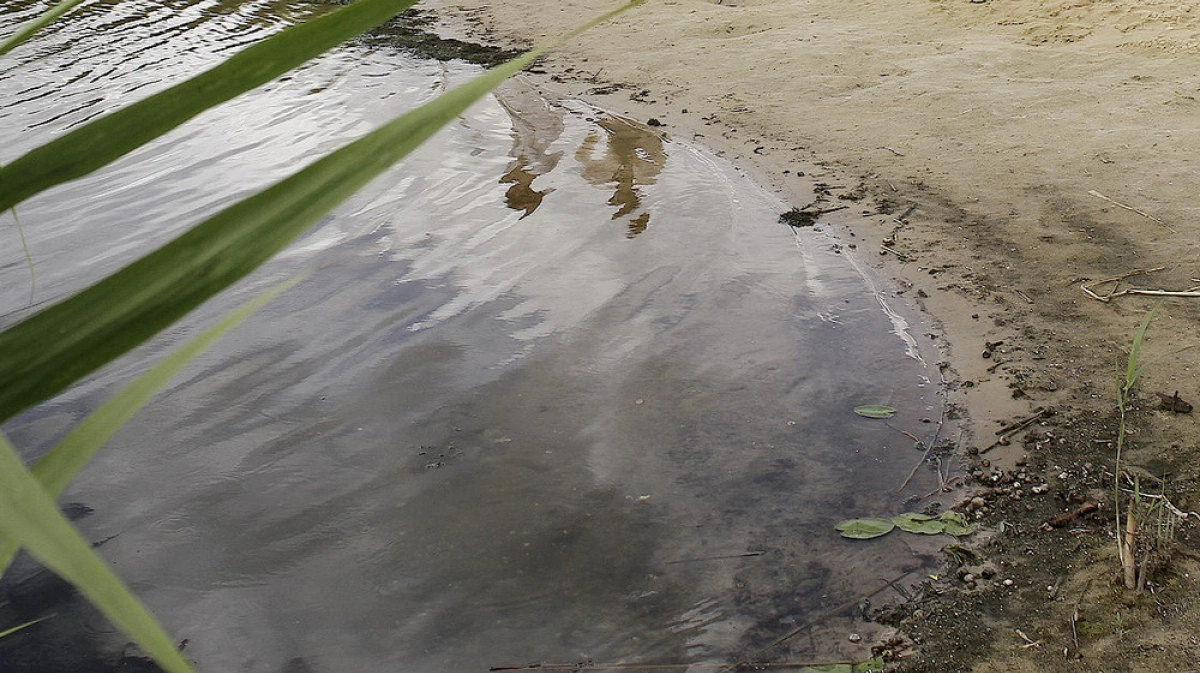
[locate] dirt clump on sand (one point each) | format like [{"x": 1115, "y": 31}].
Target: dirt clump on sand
[{"x": 997, "y": 157}]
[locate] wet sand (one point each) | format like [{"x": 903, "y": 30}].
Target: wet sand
[{"x": 1030, "y": 145}]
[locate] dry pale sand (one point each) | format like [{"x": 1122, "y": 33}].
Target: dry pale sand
[{"x": 1043, "y": 143}]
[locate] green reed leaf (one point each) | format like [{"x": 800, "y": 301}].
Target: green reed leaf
[
  {"x": 30, "y": 29},
  {"x": 59, "y": 466},
  {"x": 42, "y": 355},
  {"x": 21, "y": 627},
  {"x": 100, "y": 142},
  {"x": 29, "y": 516}
]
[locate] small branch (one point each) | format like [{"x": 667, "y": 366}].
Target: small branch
[
  {"x": 1064, "y": 519},
  {"x": 1029, "y": 642},
  {"x": 925, "y": 456},
  {"x": 819, "y": 619},
  {"x": 1075, "y": 617},
  {"x": 1013, "y": 428},
  {"x": 717, "y": 558},
  {"x": 1090, "y": 287},
  {"x": 1038, "y": 414},
  {"x": 1131, "y": 208}
]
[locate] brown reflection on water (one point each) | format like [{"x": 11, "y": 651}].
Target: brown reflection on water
[
  {"x": 535, "y": 129},
  {"x": 522, "y": 195},
  {"x": 632, "y": 157}
]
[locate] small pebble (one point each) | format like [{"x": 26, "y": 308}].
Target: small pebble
[
  {"x": 854, "y": 638},
  {"x": 1008, "y": 583}
]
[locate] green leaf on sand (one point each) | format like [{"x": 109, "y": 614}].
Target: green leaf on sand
[
  {"x": 875, "y": 411},
  {"x": 956, "y": 524},
  {"x": 865, "y": 529},
  {"x": 873, "y": 665},
  {"x": 913, "y": 522}
]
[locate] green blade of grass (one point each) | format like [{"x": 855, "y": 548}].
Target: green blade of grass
[
  {"x": 42, "y": 355},
  {"x": 19, "y": 627},
  {"x": 29, "y": 516},
  {"x": 95, "y": 144},
  {"x": 60, "y": 465},
  {"x": 30, "y": 29},
  {"x": 1133, "y": 362}
]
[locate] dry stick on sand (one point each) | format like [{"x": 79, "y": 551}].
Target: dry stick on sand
[
  {"x": 1013, "y": 428},
  {"x": 1132, "y": 209},
  {"x": 1075, "y": 618},
  {"x": 1091, "y": 286}
]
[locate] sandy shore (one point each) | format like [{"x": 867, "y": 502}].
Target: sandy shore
[{"x": 995, "y": 156}]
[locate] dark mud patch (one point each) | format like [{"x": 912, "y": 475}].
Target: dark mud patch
[
  {"x": 412, "y": 32},
  {"x": 65, "y": 633}
]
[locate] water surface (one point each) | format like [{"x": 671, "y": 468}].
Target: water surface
[{"x": 557, "y": 389}]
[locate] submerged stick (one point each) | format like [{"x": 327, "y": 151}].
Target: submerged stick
[
  {"x": 717, "y": 558},
  {"x": 748, "y": 661},
  {"x": 660, "y": 667}
]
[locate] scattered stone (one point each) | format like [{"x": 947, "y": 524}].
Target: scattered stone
[{"x": 854, "y": 638}]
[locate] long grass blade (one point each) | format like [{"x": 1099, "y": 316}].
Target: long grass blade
[
  {"x": 29, "y": 516},
  {"x": 20, "y": 627},
  {"x": 44, "y": 354},
  {"x": 60, "y": 465},
  {"x": 30, "y": 29},
  {"x": 1133, "y": 362},
  {"x": 95, "y": 144}
]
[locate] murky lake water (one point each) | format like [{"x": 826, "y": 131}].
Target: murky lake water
[{"x": 554, "y": 390}]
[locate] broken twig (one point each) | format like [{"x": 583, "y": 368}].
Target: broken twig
[
  {"x": 1012, "y": 428},
  {"x": 1132, "y": 209},
  {"x": 1090, "y": 287},
  {"x": 1064, "y": 519}
]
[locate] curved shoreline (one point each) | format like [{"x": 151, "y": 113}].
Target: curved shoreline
[{"x": 996, "y": 157}]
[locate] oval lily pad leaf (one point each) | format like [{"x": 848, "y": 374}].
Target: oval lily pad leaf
[
  {"x": 954, "y": 523},
  {"x": 865, "y": 529},
  {"x": 913, "y": 522},
  {"x": 875, "y": 411}
]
